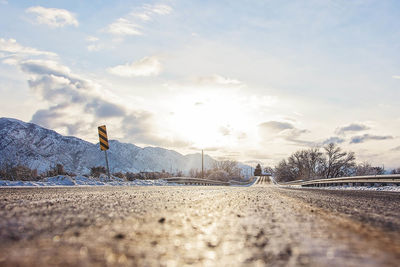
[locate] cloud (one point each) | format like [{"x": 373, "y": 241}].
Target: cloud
[
  {"x": 53, "y": 17},
  {"x": 92, "y": 39},
  {"x": 284, "y": 130},
  {"x": 94, "y": 47},
  {"x": 253, "y": 162},
  {"x": 159, "y": 9},
  {"x": 275, "y": 126},
  {"x": 292, "y": 135},
  {"x": 217, "y": 79},
  {"x": 257, "y": 154},
  {"x": 138, "y": 127},
  {"x": 241, "y": 135},
  {"x": 56, "y": 117},
  {"x": 12, "y": 48},
  {"x": 147, "y": 11},
  {"x": 396, "y": 148},
  {"x": 124, "y": 27},
  {"x": 131, "y": 23},
  {"x": 225, "y": 130},
  {"x": 354, "y": 127},
  {"x": 42, "y": 67},
  {"x": 367, "y": 137},
  {"x": 147, "y": 66},
  {"x": 396, "y": 77},
  {"x": 76, "y": 105},
  {"x": 334, "y": 139},
  {"x": 105, "y": 109}
]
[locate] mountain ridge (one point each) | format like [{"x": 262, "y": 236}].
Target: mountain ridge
[{"x": 40, "y": 148}]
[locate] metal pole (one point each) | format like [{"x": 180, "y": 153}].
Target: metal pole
[
  {"x": 202, "y": 164},
  {"x": 108, "y": 168}
]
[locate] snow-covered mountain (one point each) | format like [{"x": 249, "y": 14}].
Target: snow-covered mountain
[{"x": 39, "y": 148}]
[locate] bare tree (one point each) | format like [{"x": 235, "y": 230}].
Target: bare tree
[
  {"x": 306, "y": 164},
  {"x": 312, "y": 163},
  {"x": 395, "y": 171},
  {"x": 366, "y": 168},
  {"x": 338, "y": 163},
  {"x": 285, "y": 172},
  {"x": 229, "y": 166}
]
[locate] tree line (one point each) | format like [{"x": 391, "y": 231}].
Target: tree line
[
  {"x": 330, "y": 161},
  {"x": 224, "y": 171}
]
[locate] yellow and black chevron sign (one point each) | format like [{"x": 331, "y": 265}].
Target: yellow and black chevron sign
[{"x": 103, "y": 137}]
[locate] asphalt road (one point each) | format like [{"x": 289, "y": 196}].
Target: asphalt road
[{"x": 193, "y": 225}]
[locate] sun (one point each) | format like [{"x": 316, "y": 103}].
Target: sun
[{"x": 206, "y": 119}]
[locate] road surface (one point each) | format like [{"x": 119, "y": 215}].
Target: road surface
[{"x": 202, "y": 226}]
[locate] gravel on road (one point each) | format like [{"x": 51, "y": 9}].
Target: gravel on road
[{"x": 195, "y": 225}]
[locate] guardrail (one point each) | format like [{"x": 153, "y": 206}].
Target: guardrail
[
  {"x": 250, "y": 181},
  {"x": 352, "y": 181},
  {"x": 194, "y": 181},
  {"x": 198, "y": 181}
]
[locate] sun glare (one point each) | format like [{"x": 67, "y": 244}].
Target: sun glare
[{"x": 207, "y": 119}]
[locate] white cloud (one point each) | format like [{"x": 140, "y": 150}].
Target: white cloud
[
  {"x": 94, "y": 47},
  {"x": 123, "y": 27},
  {"x": 147, "y": 11},
  {"x": 218, "y": 79},
  {"x": 354, "y": 127},
  {"x": 147, "y": 66},
  {"x": 396, "y": 77},
  {"x": 94, "y": 44},
  {"x": 275, "y": 126},
  {"x": 92, "y": 39},
  {"x": 41, "y": 67},
  {"x": 76, "y": 105},
  {"x": 11, "y": 48},
  {"x": 53, "y": 17},
  {"x": 128, "y": 24},
  {"x": 158, "y": 9},
  {"x": 143, "y": 16}
]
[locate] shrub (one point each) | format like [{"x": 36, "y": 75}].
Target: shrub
[
  {"x": 119, "y": 175},
  {"x": 97, "y": 170},
  {"x": 220, "y": 175}
]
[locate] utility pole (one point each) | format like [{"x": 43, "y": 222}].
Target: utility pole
[{"x": 202, "y": 164}]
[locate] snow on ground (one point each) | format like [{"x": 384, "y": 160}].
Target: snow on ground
[
  {"x": 62, "y": 180},
  {"x": 393, "y": 188}
]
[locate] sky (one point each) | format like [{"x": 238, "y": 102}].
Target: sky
[{"x": 252, "y": 81}]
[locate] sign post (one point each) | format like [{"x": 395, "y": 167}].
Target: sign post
[
  {"x": 104, "y": 144},
  {"x": 202, "y": 164}
]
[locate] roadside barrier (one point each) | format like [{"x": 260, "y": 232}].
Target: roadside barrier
[
  {"x": 198, "y": 181},
  {"x": 375, "y": 180}
]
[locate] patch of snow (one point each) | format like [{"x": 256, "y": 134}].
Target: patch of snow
[
  {"x": 59, "y": 180},
  {"x": 62, "y": 180}
]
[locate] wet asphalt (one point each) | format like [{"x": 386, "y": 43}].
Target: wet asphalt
[{"x": 262, "y": 225}]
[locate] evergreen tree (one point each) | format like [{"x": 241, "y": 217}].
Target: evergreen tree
[{"x": 257, "y": 170}]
